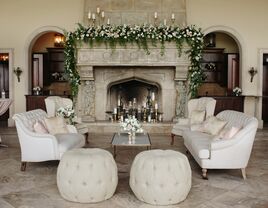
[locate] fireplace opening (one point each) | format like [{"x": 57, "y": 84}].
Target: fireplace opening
[{"x": 134, "y": 97}]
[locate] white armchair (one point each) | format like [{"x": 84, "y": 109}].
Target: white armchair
[
  {"x": 55, "y": 102},
  {"x": 36, "y": 147},
  {"x": 206, "y": 104},
  {"x": 232, "y": 153}
]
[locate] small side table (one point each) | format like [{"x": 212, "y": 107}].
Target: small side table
[{"x": 4, "y": 105}]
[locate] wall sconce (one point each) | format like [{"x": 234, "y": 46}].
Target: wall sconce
[
  {"x": 58, "y": 40},
  {"x": 210, "y": 40},
  {"x": 3, "y": 57},
  {"x": 18, "y": 72},
  {"x": 252, "y": 73}
]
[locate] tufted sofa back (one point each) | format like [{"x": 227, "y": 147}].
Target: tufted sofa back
[
  {"x": 238, "y": 119},
  {"x": 27, "y": 119}
]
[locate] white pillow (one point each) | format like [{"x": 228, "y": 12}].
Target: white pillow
[
  {"x": 197, "y": 116},
  {"x": 228, "y": 133},
  {"x": 56, "y": 125},
  {"x": 197, "y": 127},
  {"x": 214, "y": 125},
  {"x": 40, "y": 128}
]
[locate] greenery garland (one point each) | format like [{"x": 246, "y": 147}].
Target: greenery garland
[{"x": 112, "y": 35}]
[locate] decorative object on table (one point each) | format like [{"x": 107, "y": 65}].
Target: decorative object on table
[
  {"x": 18, "y": 72},
  {"x": 211, "y": 66},
  {"x": 67, "y": 113},
  {"x": 131, "y": 125},
  {"x": 37, "y": 90},
  {"x": 237, "y": 91},
  {"x": 252, "y": 73}
]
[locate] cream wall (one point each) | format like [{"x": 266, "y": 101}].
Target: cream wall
[
  {"x": 20, "y": 21},
  {"x": 247, "y": 19}
]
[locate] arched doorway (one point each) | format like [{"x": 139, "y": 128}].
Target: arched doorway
[{"x": 6, "y": 83}]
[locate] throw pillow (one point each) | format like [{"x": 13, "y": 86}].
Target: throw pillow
[
  {"x": 56, "y": 125},
  {"x": 228, "y": 133},
  {"x": 214, "y": 125},
  {"x": 197, "y": 127},
  {"x": 40, "y": 128},
  {"x": 197, "y": 116}
]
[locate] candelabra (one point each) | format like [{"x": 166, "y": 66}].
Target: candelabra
[
  {"x": 97, "y": 18},
  {"x": 165, "y": 20}
]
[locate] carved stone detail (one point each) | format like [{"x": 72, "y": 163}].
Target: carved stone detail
[
  {"x": 181, "y": 101},
  {"x": 88, "y": 100},
  {"x": 86, "y": 72}
]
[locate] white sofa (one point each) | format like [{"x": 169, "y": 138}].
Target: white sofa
[
  {"x": 206, "y": 104},
  {"x": 231, "y": 153},
  {"x": 36, "y": 147}
]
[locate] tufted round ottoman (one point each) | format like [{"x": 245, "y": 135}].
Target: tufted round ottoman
[
  {"x": 87, "y": 175},
  {"x": 160, "y": 177}
]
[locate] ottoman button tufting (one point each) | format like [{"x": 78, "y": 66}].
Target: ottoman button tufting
[
  {"x": 167, "y": 181},
  {"x": 84, "y": 180}
]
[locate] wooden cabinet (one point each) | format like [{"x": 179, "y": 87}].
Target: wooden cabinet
[
  {"x": 56, "y": 64},
  {"x": 36, "y": 102},
  {"x": 229, "y": 103},
  {"x": 212, "y": 64}
]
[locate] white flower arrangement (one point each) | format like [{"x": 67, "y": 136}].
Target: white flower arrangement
[
  {"x": 237, "y": 91},
  {"x": 142, "y": 35},
  {"x": 66, "y": 112},
  {"x": 37, "y": 88},
  {"x": 131, "y": 125}
]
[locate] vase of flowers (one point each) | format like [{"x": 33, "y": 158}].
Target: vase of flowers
[
  {"x": 131, "y": 125},
  {"x": 237, "y": 91},
  {"x": 37, "y": 90},
  {"x": 67, "y": 113}
]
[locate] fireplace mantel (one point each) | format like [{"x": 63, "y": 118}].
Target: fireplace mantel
[{"x": 171, "y": 68}]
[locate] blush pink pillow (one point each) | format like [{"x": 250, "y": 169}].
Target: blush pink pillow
[
  {"x": 228, "y": 133},
  {"x": 40, "y": 128}
]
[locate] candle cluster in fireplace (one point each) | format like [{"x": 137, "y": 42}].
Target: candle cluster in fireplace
[{"x": 147, "y": 112}]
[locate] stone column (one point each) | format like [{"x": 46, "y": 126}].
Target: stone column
[
  {"x": 88, "y": 100},
  {"x": 181, "y": 101},
  {"x": 181, "y": 91},
  {"x": 86, "y": 95}
]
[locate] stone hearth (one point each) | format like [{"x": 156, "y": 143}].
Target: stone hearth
[{"x": 100, "y": 68}]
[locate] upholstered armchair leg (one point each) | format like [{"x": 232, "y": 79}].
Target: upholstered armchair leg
[
  {"x": 204, "y": 173},
  {"x": 243, "y": 170},
  {"x": 172, "y": 139},
  {"x": 23, "y": 166}
]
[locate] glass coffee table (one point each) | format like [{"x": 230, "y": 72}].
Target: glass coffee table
[{"x": 122, "y": 140}]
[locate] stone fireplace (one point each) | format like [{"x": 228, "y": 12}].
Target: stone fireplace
[
  {"x": 130, "y": 71},
  {"x": 106, "y": 73}
]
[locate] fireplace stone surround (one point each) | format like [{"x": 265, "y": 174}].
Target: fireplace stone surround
[{"x": 100, "y": 67}]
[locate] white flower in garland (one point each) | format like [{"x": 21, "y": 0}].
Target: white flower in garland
[{"x": 142, "y": 35}]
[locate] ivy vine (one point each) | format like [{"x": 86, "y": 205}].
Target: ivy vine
[{"x": 142, "y": 36}]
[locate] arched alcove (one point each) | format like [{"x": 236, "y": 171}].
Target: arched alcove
[
  {"x": 221, "y": 62},
  {"x": 31, "y": 40}
]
